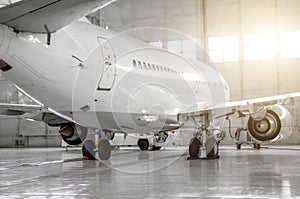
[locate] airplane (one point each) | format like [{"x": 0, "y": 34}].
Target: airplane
[{"x": 85, "y": 77}]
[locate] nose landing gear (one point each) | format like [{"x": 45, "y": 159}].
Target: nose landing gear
[{"x": 102, "y": 146}]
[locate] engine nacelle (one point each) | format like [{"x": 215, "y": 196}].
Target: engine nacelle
[
  {"x": 73, "y": 134},
  {"x": 276, "y": 125}
]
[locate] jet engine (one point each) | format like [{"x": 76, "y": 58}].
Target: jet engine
[
  {"x": 73, "y": 134},
  {"x": 276, "y": 125}
]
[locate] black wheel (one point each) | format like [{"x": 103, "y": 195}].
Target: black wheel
[
  {"x": 238, "y": 146},
  {"x": 194, "y": 148},
  {"x": 256, "y": 146},
  {"x": 104, "y": 149},
  {"x": 88, "y": 150},
  {"x": 212, "y": 148},
  {"x": 143, "y": 144},
  {"x": 156, "y": 148}
]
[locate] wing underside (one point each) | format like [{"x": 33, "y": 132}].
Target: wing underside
[
  {"x": 252, "y": 105},
  {"x": 44, "y": 16}
]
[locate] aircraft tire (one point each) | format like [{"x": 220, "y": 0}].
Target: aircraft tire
[
  {"x": 143, "y": 144},
  {"x": 257, "y": 146},
  {"x": 104, "y": 149},
  {"x": 213, "y": 148},
  {"x": 194, "y": 148},
  {"x": 88, "y": 150}
]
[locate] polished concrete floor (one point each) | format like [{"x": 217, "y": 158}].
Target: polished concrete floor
[{"x": 57, "y": 173}]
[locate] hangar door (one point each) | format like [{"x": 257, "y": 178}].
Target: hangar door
[{"x": 109, "y": 65}]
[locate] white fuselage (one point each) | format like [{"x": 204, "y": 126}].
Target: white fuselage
[{"x": 109, "y": 81}]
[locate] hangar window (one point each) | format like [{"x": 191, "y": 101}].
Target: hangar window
[
  {"x": 289, "y": 45},
  {"x": 134, "y": 64},
  {"x": 259, "y": 47},
  {"x": 223, "y": 49}
]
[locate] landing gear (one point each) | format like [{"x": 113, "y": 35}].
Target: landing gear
[
  {"x": 256, "y": 146},
  {"x": 88, "y": 150},
  {"x": 205, "y": 143},
  {"x": 143, "y": 144},
  {"x": 104, "y": 149},
  {"x": 194, "y": 148},
  {"x": 211, "y": 149}
]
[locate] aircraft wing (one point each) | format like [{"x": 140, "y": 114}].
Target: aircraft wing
[
  {"x": 251, "y": 105},
  {"x": 265, "y": 101},
  {"x": 44, "y": 16},
  {"x": 36, "y": 112},
  {"x": 17, "y": 109}
]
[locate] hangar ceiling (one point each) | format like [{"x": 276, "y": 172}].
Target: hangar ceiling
[{"x": 178, "y": 15}]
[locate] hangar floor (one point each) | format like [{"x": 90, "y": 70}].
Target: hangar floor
[{"x": 57, "y": 173}]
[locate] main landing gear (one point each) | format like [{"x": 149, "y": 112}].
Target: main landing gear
[
  {"x": 102, "y": 146},
  {"x": 198, "y": 151},
  {"x": 204, "y": 144}
]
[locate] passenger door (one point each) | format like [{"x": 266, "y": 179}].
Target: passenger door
[{"x": 109, "y": 65}]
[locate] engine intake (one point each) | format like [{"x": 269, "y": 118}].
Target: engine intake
[
  {"x": 276, "y": 125},
  {"x": 73, "y": 134}
]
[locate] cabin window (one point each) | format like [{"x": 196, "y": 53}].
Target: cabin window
[
  {"x": 153, "y": 67},
  {"x": 144, "y": 66},
  {"x": 149, "y": 66},
  {"x": 140, "y": 64},
  {"x": 134, "y": 64}
]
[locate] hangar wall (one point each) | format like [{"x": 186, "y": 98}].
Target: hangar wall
[
  {"x": 203, "y": 20},
  {"x": 261, "y": 76},
  {"x": 240, "y": 19},
  {"x": 19, "y": 132}
]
